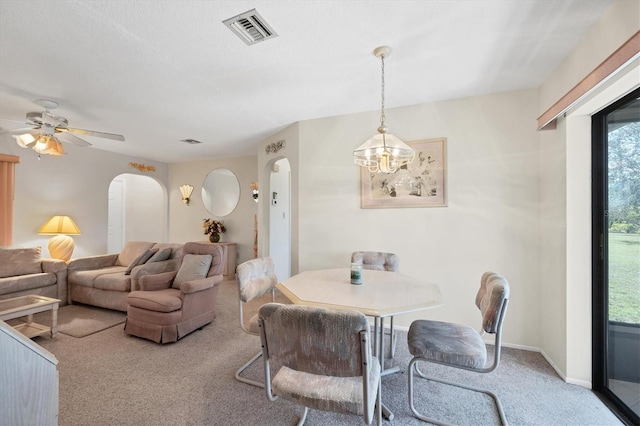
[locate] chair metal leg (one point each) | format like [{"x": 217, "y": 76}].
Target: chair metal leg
[
  {"x": 392, "y": 339},
  {"x": 413, "y": 367},
  {"x": 244, "y": 367},
  {"x": 303, "y": 418}
]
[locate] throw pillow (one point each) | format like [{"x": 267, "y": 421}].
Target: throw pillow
[
  {"x": 140, "y": 260},
  {"x": 161, "y": 255},
  {"x": 194, "y": 267}
]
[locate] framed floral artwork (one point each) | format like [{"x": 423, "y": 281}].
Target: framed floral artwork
[{"x": 420, "y": 183}]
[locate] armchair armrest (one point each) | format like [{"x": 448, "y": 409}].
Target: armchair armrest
[
  {"x": 199, "y": 285},
  {"x": 152, "y": 268},
  {"x": 92, "y": 262},
  {"x": 157, "y": 281}
]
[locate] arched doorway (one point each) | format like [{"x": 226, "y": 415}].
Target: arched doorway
[{"x": 137, "y": 211}]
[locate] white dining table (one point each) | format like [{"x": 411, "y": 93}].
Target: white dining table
[{"x": 381, "y": 295}]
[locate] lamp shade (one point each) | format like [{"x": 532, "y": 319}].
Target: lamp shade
[
  {"x": 60, "y": 225},
  {"x": 186, "y": 191}
]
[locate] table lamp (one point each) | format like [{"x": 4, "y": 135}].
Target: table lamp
[{"x": 61, "y": 244}]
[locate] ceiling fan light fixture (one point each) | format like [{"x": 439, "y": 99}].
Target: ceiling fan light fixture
[
  {"x": 383, "y": 152},
  {"x": 25, "y": 141},
  {"x": 46, "y": 125}
]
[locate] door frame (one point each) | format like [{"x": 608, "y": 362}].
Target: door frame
[{"x": 600, "y": 271}]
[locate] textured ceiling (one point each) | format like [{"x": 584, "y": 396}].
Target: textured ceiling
[{"x": 161, "y": 71}]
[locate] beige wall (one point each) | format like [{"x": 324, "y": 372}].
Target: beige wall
[
  {"x": 76, "y": 184},
  {"x": 491, "y": 222},
  {"x": 186, "y": 220},
  {"x": 566, "y": 227}
]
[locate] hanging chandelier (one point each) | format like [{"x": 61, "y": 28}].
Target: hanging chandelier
[{"x": 383, "y": 153}]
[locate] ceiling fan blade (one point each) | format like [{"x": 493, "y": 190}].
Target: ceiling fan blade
[
  {"x": 19, "y": 131},
  {"x": 91, "y": 133},
  {"x": 68, "y": 137},
  {"x": 13, "y": 121}
]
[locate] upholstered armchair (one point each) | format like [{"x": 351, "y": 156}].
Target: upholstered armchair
[
  {"x": 173, "y": 304},
  {"x": 458, "y": 345}
]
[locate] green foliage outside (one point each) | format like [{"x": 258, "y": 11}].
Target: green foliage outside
[
  {"x": 624, "y": 278},
  {"x": 624, "y": 178}
]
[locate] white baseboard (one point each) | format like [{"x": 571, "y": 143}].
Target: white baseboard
[{"x": 584, "y": 383}]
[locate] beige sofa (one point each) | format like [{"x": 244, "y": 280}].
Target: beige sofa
[
  {"x": 23, "y": 271},
  {"x": 106, "y": 280}
]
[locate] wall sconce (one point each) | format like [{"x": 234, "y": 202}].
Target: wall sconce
[
  {"x": 254, "y": 188},
  {"x": 61, "y": 244},
  {"x": 186, "y": 191}
]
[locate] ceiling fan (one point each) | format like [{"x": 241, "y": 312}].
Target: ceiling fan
[{"x": 49, "y": 129}]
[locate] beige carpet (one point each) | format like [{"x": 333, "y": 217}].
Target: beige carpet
[
  {"x": 80, "y": 320},
  {"x": 109, "y": 378}
]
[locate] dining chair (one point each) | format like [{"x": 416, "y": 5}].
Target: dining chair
[
  {"x": 321, "y": 359},
  {"x": 255, "y": 278},
  {"x": 461, "y": 346},
  {"x": 380, "y": 261}
]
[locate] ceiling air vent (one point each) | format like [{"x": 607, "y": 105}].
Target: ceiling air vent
[
  {"x": 190, "y": 141},
  {"x": 250, "y": 27}
]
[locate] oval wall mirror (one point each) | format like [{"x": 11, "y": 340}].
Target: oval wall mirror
[{"x": 220, "y": 192}]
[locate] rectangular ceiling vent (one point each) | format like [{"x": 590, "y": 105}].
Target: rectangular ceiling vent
[
  {"x": 190, "y": 141},
  {"x": 250, "y": 27}
]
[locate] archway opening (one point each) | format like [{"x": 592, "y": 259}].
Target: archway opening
[{"x": 137, "y": 211}]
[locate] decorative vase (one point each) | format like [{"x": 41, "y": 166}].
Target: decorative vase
[{"x": 214, "y": 238}]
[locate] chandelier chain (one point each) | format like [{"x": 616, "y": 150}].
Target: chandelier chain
[{"x": 382, "y": 116}]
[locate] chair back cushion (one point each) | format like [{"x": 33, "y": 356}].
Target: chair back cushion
[
  {"x": 491, "y": 300},
  {"x": 313, "y": 339},
  {"x": 193, "y": 267},
  {"x": 255, "y": 277},
  {"x": 376, "y": 260},
  {"x": 216, "y": 252}
]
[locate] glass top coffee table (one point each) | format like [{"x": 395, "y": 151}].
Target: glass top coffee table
[{"x": 26, "y": 306}]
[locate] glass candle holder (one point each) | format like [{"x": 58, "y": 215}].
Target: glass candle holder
[{"x": 356, "y": 273}]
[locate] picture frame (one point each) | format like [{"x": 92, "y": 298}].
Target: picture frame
[{"x": 421, "y": 183}]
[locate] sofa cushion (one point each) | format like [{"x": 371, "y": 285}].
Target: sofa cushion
[
  {"x": 20, "y": 261},
  {"x": 19, "y": 283},
  {"x": 194, "y": 267},
  {"x": 131, "y": 251},
  {"x": 160, "y": 255},
  {"x": 167, "y": 300},
  {"x": 117, "y": 281},
  {"x": 140, "y": 260},
  {"x": 87, "y": 278}
]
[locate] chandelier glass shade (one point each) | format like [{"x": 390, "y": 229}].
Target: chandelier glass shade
[
  {"x": 383, "y": 152},
  {"x": 42, "y": 144}
]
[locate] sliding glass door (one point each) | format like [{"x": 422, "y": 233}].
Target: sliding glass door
[{"x": 616, "y": 255}]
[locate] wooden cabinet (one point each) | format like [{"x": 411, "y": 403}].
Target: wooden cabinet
[{"x": 229, "y": 259}]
